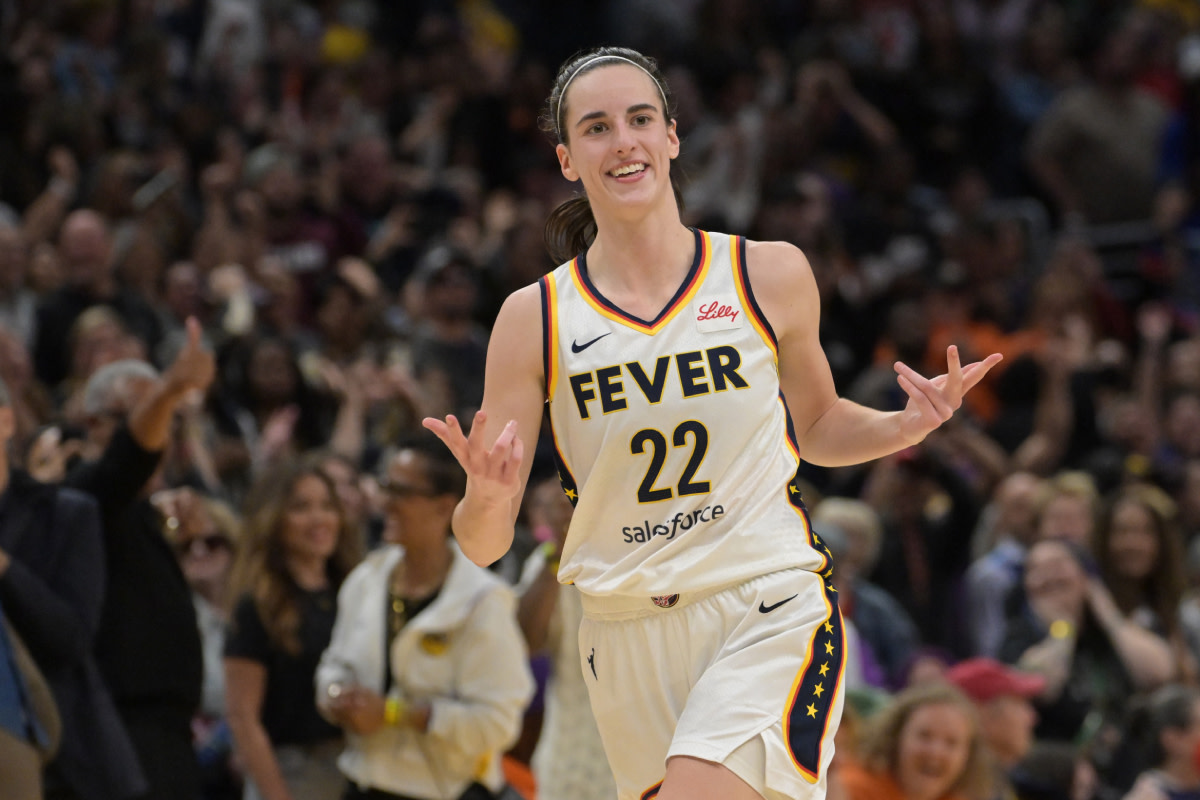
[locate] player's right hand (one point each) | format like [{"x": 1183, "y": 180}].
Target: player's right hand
[{"x": 493, "y": 472}]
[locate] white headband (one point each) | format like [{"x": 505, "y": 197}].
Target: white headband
[{"x": 590, "y": 62}]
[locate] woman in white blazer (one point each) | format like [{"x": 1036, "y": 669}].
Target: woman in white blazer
[{"x": 427, "y": 670}]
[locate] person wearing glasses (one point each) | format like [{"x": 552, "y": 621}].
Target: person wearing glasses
[
  {"x": 427, "y": 670},
  {"x": 203, "y": 532}
]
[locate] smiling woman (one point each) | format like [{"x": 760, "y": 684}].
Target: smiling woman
[
  {"x": 664, "y": 354},
  {"x": 297, "y": 549},
  {"x": 926, "y": 745},
  {"x": 426, "y": 671}
]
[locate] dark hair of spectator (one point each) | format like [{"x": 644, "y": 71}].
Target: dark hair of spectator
[
  {"x": 880, "y": 748},
  {"x": 1163, "y": 588},
  {"x": 1169, "y": 708},
  {"x": 261, "y": 568},
  {"x": 571, "y": 227},
  {"x": 445, "y": 474}
]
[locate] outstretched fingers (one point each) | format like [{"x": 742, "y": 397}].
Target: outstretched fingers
[
  {"x": 973, "y": 373},
  {"x": 499, "y": 462},
  {"x": 451, "y": 434},
  {"x": 920, "y": 398},
  {"x": 924, "y": 391},
  {"x": 954, "y": 377}
]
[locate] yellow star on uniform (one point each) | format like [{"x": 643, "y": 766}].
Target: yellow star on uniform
[
  {"x": 827, "y": 550},
  {"x": 829, "y": 647},
  {"x": 818, "y": 689},
  {"x": 824, "y": 669},
  {"x": 812, "y": 711},
  {"x": 793, "y": 490},
  {"x": 829, "y": 627},
  {"x": 828, "y": 574},
  {"x": 570, "y": 494}
]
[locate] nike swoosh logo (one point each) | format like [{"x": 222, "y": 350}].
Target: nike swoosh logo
[
  {"x": 579, "y": 348},
  {"x": 767, "y": 609}
]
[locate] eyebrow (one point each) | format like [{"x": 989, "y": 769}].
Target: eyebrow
[{"x": 602, "y": 114}]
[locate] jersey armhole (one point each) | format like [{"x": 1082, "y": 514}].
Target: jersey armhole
[
  {"x": 549, "y": 334},
  {"x": 741, "y": 275}
]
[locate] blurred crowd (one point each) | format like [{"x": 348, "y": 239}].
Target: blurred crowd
[{"x": 247, "y": 245}]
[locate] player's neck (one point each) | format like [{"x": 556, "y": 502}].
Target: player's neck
[{"x": 642, "y": 257}]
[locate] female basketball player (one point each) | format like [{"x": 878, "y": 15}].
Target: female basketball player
[{"x": 712, "y": 644}]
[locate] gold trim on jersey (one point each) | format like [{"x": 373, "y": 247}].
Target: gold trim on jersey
[
  {"x": 682, "y": 300},
  {"x": 739, "y": 280},
  {"x": 552, "y": 336}
]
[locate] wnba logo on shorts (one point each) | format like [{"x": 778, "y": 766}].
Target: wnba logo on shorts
[{"x": 665, "y": 601}]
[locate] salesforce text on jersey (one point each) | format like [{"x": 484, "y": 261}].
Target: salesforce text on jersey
[{"x": 682, "y": 521}]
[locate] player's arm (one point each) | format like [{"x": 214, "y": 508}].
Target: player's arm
[
  {"x": 498, "y": 451},
  {"x": 832, "y": 431}
]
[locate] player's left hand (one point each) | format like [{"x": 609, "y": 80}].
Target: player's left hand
[{"x": 932, "y": 401}]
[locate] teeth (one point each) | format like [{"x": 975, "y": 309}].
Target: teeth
[{"x": 628, "y": 169}]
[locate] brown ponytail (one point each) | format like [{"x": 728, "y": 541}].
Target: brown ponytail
[{"x": 570, "y": 229}]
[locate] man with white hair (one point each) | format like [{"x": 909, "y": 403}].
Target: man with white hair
[{"x": 148, "y": 644}]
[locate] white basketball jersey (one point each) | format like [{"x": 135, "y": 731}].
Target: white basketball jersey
[{"x": 672, "y": 435}]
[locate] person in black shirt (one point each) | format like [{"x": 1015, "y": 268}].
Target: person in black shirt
[
  {"x": 85, "y": 244},
  {"x": 148, "y": 645},
  {"x": 297, "y": 547},
  {"x": 51, "y": 588}
]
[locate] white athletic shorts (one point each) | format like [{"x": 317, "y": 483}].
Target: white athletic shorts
[{"x": 749, "y": 676}]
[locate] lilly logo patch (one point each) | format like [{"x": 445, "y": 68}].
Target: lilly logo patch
[{"x": 721, "y": 314}]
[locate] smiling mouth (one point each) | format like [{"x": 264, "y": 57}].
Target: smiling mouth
[{"x": 628, "y": 169}]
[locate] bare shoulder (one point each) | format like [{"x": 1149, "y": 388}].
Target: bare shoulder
[
  {"x": 521, "y": 311},
  {"x": 776, "y": 261},
  {"x": 783, "y": 284},
  {"x": 516, "y": 338}
]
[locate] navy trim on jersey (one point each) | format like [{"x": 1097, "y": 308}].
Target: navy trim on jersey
[
  {"x": 547, "y": 348},
  {"x": 744, "y": 270},
  {"x": 569, "y": 486},
  {"x": 810, "y": 707},
  {"x": 697, "y": 260}
]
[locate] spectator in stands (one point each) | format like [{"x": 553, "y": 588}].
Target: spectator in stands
[
  {"x": 569, "y": 761},
  {"x": 427, "y": 671},
  {"x": 1071, "y": 632},
  {"x": 148, "y": 645},
  {"x": 52, "y": 585},
  {"x": 18, "y": 304},
  {"x": 1067, "y": 505},
  {"x": 925, "y": 745},
  {"x": 1002, "y": 698},
  {"x": 449, "y": 346},
  {"x": 1094, "y": 150},
  {"x": 886, "y": 629},
  {"x": 267, "y": 407},
  {"x": 204, "y": 533},
  {"x": 1171, "y": 740},
  {"x": 295, "y": 552},
  {"x": 1140, "y": 555},
  {"x": 928, "y": 511},
  {"x": 992, "y": 578},
  {"x": 19, "y": 735},
  {"x": 31, "y": 404},
  {"x": 86, "y": 247}
]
